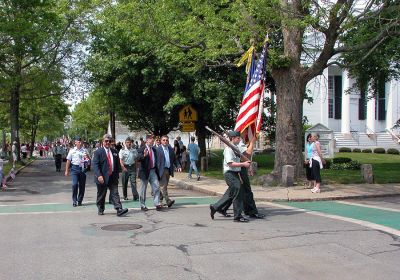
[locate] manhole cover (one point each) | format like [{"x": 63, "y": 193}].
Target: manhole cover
[{"x": 121, "y": 227}]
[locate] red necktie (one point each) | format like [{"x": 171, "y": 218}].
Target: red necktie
[
  {"x": 151, "y": 158},
  {"x": 109, "y": 163}
]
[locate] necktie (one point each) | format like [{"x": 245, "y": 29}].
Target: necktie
[
  {"x": 109, "y": 162},
  {"x": 151, "y": 158}
]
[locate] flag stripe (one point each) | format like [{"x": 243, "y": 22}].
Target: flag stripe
[{"x": 251, "y": 102}]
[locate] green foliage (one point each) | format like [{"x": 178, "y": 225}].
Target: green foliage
[
  {"x": 344, "y": 150},
  {"x": 392, "y": 151},
  {"x": 379, "y": 151},
  {"x": 328, "y": 163},
  {"x": 90, "y": 117},
  {"x": 351, "y": 165},
  {"x": 356, "y": 150},
  {"x": 367, "y": 151},
  {"x": 341, "y": 160}
]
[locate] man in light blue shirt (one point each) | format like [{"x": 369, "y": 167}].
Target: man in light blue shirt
[
  {"x": 128, "y": 156},
  {"x": 76, "y": 160},
  {"x": 194, "y": 152}
]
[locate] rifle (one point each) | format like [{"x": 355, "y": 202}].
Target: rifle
[{"x": 229, "y": 144}]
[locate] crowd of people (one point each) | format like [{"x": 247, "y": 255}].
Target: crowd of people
[{"x": 153, "y": 160}]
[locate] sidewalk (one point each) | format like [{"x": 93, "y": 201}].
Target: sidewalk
[{"x": 296, "y": 193}]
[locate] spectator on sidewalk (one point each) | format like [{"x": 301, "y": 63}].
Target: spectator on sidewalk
[
  {"x": 316, "y": 163},
  {"x": 14, "y": 150},
  {"x": 2, "y": 178},
  {"x": 184, "y": 158},
  {"x": 194, "y": 152},
  {"x": 24, "y": 150},
  {"x": 309, "y": 175}
]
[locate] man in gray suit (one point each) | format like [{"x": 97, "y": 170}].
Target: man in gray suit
[{"x": 165, "y": 165}]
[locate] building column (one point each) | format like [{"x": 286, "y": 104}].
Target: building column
[
  {"x": 324, "y": 104},
  {"x": 345, "y": 103},
  {"x": 389, "y": 106},
  {"x": 370, "y": 111}
]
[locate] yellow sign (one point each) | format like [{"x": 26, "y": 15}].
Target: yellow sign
[
  {"x": 188, "y": 127},
  {"x": 188, "y": 114}
]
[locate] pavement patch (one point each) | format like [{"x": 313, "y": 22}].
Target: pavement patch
[{"x": 121, "y": 227}]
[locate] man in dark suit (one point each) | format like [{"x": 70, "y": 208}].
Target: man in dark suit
[
  {"x": 165, "y": 165},
  {"x": 106, "y": 167},
  {"x": 148, "y": 173}
]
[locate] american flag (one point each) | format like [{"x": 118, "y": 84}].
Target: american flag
[{"x": 248, "y": 121}]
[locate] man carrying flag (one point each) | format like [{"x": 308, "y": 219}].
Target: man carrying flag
[{"x": 248, "y": 123}]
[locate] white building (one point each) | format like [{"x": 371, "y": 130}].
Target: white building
[{"x": 357, "y": 118}]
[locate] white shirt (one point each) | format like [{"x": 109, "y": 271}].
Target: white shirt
[{"x": 75, "y": 156}]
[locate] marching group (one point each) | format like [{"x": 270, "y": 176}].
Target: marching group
[{"x": 153, "y": 161}]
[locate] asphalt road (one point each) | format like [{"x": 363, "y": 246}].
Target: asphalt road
[{"x": 44, "y": 237}]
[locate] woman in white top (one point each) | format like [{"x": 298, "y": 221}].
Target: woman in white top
[{"x": 316, "y": 163}]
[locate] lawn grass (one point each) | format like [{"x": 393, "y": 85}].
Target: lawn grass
[
  {"x": 7, "y": 166},
  {"x": 386, "y": 167}
]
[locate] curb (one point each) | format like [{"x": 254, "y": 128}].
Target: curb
[
  {"x": 19, "y": 170},
  {"x": 186, "y": 186}
]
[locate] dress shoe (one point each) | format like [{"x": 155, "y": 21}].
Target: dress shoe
[
  {"x": 225, "y": 214},
  {"x": 122, "y": 211},
  {"x": 212, "y": 211},
  {"x": 144, "y": 209},
  {"x": 74, "y": 204},
  {"x": 135, "y": 198},
  {"x": 125, "y": 198},
  {"x": 159, "y": 207},
  {"x": 79, "y": 203},
  {"x": 170, "y": 203},
  {"x": 241, "y": 220},
  {"x": 100, "y": 212},
  {"x": 257, "y": 216}
]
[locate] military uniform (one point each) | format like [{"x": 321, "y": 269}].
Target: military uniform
[
  {"x": 78, "y": 173},
  {"x": 128, "y": 158}
]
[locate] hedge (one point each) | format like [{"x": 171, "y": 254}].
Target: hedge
[
  {"x": 393, "y": 151},
  {"x": 379, "y": 151},
  {"x": 367, "y": 151},
  {"x": 344, "y": 150},
  {"x": 356, "y": 150},
  {"x": 341, "y": 160}
]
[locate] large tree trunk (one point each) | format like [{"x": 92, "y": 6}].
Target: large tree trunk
[
  {"x": 14, "y": 117},
  {"x": 290, "y": 89}
]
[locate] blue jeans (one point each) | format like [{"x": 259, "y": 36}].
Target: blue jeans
[
  {"x": 193, "y": 166},
  {"x": 78, "y": 183}
]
